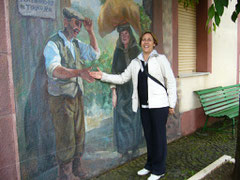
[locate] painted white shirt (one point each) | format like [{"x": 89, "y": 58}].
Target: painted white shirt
[{"x": 53, "y": 58}]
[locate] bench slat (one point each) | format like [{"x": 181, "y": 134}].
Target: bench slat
[
  {"x": 217, "y": 101},
  {"x": 216, "y": 93},
  {"x": 231, "y": 114},
  {"x": 231, "y": 90},
  {"x": 220, "y": 97},
  {"x": 204, "y": 91},
  {"x": 224, "y": 112},
  {"x": 211, "y": 98},
  {"x": 221, "y": 108},
  {"x": 231, "y": 86},
  {"x": 219, "y": 104}
]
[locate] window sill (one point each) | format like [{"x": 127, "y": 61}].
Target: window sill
[{"x": 185, "y": 75}]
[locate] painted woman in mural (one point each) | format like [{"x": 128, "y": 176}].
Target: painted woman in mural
[{"x": 127, "y": 126}]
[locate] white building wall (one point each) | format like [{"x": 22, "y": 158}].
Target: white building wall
[{"x": 224, "y": 64}]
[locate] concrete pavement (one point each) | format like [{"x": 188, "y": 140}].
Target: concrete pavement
[{"x": 186, "y": 156}]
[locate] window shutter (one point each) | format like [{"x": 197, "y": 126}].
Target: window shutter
[{"x": 186, "y": 39}]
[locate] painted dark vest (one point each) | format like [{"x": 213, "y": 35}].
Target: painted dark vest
[{"x": 70, "y": 87}]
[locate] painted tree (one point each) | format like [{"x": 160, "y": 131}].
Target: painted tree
[{"x": 215, "y": 12}]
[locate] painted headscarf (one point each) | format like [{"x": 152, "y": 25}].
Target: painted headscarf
[{"x": 132, "y": 40}]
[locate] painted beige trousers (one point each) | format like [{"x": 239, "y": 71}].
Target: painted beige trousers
[{"x": 68, "y": 119}]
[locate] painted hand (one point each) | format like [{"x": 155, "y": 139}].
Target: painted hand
[
  {"x": 85, "y": 74},
  {"x": 88, "y": 24},
  {"x": 114, "y": 97}
]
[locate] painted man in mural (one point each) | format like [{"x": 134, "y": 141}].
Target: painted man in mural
[{"x": 64, "y": 56}]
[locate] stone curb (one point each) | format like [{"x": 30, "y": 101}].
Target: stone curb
[{"x": 222, "y": 160}]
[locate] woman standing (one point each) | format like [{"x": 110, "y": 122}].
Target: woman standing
[
  {"x": 157, "y": 98},
  {"x": 127, "y": 125}
]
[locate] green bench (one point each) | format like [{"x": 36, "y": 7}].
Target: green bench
[{"x": 220, "y": 102}]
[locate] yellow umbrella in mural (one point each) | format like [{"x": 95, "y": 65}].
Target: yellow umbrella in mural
[{"x": 115, "y": 12}]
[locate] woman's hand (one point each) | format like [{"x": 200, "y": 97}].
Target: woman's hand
[
  {"x": 96, "y": 74},
  {"x": 171, "y": 111}
]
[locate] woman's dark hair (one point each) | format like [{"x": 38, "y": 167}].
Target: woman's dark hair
[{"x": 155, "y": 40}]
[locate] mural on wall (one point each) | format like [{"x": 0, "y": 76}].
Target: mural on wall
[{"x": 68, "y": 125}]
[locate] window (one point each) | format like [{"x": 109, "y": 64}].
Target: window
[
  {"x": 194, "y": 50},
  {"x": 187, "y": 39}
]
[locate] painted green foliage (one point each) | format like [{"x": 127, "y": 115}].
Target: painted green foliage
[
  {"x": 103, "y": 98},
  {"x": 145, "y": 20}
]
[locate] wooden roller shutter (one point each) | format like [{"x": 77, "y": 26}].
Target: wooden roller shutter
[{"x": 186, "y": 39}]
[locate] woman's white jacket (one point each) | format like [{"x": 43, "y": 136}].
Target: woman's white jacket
[{"x": 159, "y": 67}]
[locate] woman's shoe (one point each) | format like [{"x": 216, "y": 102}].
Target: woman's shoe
[
  {"x": 155, "y": 177},
  {"x": 143, "y": 172}
]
